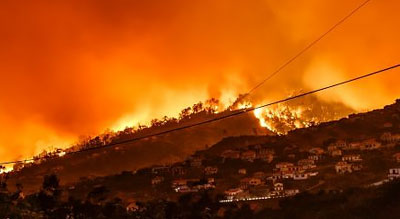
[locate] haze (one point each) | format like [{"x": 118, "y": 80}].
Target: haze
[{"x": 75, "y": 68}]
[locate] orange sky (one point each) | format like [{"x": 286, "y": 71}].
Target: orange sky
[{"x": 72, "y": 68}]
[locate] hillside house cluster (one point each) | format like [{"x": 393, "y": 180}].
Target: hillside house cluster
[
  {"x": 251, "y": 184},
  {"x": 286, "y": 170},
  {"x": 276, "y": 189},
  {"x": 389, "y": 137},
  {"x": 367, "y": 144},
  {"x": 250, "y": 154}
]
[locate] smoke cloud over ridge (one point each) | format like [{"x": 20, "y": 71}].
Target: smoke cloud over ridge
[{"x": 72, "y": 68}]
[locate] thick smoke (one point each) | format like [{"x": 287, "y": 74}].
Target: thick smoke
[{"x": 73, "y": 68}]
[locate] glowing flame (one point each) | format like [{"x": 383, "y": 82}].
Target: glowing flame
[
  {"x": 6, "y": 168},
  {"x": 260, "y": 115},
  {"x": 283, "y": 118},
  {"x": 244, "y": 105},
  {"x": 61, "y": 154}
]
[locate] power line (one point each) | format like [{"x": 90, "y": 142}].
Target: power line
[
  {"x": 221, "y": 117},
  {"x": 305, "y": 49}
]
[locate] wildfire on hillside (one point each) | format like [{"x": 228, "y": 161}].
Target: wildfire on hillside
[{"x": 284, "y": 117}]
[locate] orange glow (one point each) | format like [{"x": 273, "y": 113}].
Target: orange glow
[{"x": 77, "y": 68}]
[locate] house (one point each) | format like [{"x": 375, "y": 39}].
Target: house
[
  {"x": 160, "y": 170},
  {"x": 386, "y": 137},
  {"x": 352, "y": 158},
  {"x": 370, "y": 144},
  {"x": 282, "y": 174},
  {"x": 316, "y": 151},
  {"x": 335, "y": 150},
  {"x": 396, "y": 157},
  {"x": 394, "y": 173},
  {"x": 178, "y": 170},
  {"x": 179, "y": 182},
  {"x": 132, "y": 207},
  {"x": 353, "y": 146},
  {"x": 210, "y": 170},
  {"x": 231, "y": 154},
  {"x": 232, "y": 193},
  {"x": 339, "y": 144},
  {"x": 278, "y": 186},
  {"x": 306, "y": 164},
  {"x": 387, "y": 125},
  {"x": 292, "y": 192},
  {"x": 336, "y": 153},
  {"x": 265, "y": 155},
  {"x": 343, "y": 167},
  {"x": 315, "y": 157},
  {"x": 332, "y": 148},
  {"x": 249, "y": 155},
  {"x": 300, "y": 176},
  {"x": 356, "y": 166},
  {"x": 275, "y": 176},
  {"x": 261, "y": 151},
  {"x": 390, "y": 138},
  {"x": 185, "y": 189},
  {"x": 282, "y": 166},
  {"x": 157, "y": 180},
  {"x": 248, "y": 182},
  {"x": 204, "y": 186},
  {"x": 287, "y": 174},
  {"x": 184, "y": 185},
  {"x": 242, "y": 171},
  {"x": 195, "y": 162}
]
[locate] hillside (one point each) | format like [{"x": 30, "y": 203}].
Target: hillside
[
  {"x": 332, "y": 164},
  {"x": 131, "y": 156},
  {"x": 291, "y": 148}
]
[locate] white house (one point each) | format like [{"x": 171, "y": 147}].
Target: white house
[
  {"x": 343, "y": 167},
  {"x": 352, "y": 158},
  {"x": 394, "y": 173},
  {"x": 278, "y": 186}
]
